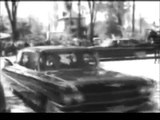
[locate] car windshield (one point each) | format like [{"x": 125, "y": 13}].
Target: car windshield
[{"x": 72, "y": 60}]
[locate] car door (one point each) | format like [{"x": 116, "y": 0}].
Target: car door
[{"x": 27, "y": 68}]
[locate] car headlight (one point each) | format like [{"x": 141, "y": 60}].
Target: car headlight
[
  {"x": 151, "y": 91},
  {"x": 148, "y": 89},
  {"x": 68, "y": 99},
  {"x": 78, "y": 97}
]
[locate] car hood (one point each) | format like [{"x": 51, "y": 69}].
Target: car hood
[{"x": 98, "y": 75}]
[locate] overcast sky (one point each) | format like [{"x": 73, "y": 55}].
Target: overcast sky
[{"x": 147, "y": 9}]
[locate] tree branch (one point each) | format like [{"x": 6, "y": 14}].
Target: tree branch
[
  {"x": 93, "y": 5},
  {"x": 14, "y": 10},
  {"x": 17, "y": 6},
  {"x": 8, "y": 11},
  {"x": 89, "y": 5},
  {"x": 95, "y": 14}
]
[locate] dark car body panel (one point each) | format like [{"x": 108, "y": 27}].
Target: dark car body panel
[{"x": 102, "y": 90}]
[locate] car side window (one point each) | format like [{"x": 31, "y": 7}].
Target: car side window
[{"x": 29, "y": 60}]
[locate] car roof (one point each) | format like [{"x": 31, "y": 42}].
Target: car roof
[{"x": 51, "y": 48}]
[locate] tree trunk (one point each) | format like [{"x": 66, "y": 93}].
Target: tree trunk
[
  {"x": 14, "y": 31},
  {"x": 119, "y": 19},
  {"x": 91, "y": 31},
  {"x": 93, "y": 16}
]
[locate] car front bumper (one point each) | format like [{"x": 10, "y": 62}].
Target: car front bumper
[{"x": 150, "y": 106}]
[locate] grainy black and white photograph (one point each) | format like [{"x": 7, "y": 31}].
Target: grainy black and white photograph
[{"x": 80, "y": 56}]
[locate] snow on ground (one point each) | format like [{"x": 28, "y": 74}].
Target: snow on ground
[{"x": 146, "y": 68}]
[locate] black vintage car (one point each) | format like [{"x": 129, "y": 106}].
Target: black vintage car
[{"x": 70, "y": 79}]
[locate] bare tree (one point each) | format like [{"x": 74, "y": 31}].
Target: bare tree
[
  {"x": 81, "y": 29},
  {"x": 12, "y": 15},
  {"x": 116, "y": 14},
  {"x": 93, "y": 12}
]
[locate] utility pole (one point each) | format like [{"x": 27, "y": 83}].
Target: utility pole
[
  {"x": 133, "y": 17},
  {"x": 140, "y": 24},
  {"x": 79, "y": 19},
  {"x": 70, "y": 10}
]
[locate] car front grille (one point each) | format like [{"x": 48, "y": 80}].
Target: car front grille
[{"x": 102, "y": 98}]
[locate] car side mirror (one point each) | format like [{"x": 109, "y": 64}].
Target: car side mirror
[{"x": 7, "y": 62}]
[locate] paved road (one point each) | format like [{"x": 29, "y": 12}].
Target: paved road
[{"x": 145, "y": 68}]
